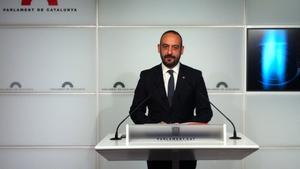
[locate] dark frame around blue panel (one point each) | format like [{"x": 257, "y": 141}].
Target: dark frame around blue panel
[{"x": 273, "y": 59}]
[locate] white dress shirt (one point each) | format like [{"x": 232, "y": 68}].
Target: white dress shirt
[{"x": 166, "y": 75}]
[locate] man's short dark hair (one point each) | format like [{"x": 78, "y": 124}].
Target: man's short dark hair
[{"x": 173, "y": 32}]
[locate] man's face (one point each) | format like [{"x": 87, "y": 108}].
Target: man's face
[{"x": 170, "y": 49}]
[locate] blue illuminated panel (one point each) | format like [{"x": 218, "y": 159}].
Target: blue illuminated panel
[
  {"x": 273, "y": 60},
  {"x": 273, "y": 57}
]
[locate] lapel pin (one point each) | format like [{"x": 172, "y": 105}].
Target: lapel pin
[{"x": 183, "y": 77}]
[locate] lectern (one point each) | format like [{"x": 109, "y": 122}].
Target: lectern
[{"x": 175, "y": 142}]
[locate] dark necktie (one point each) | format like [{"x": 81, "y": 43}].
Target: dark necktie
[{"x": 170, "y": 87}]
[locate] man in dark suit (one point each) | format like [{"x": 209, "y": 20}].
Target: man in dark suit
[{"x": 172, "y": 91}]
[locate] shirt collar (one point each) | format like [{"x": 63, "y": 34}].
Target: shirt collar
[{"x": 175, "y": 69}]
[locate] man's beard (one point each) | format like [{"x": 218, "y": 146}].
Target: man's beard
[{"x": 167, "y": 63}]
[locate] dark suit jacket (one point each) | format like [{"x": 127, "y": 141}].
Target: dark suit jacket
[{"x": 187, "y": 97}]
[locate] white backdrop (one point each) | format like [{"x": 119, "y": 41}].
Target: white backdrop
[{"x": 62, "y": 71}]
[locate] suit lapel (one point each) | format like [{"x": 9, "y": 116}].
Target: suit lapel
[
  {"x": 159, "y": 85},
  {"x": 180, "y": 83}
]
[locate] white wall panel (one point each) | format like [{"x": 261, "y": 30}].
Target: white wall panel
[
  {"x": 274, "y": 159},
  {"x": 167, "y": 12},
  {"x": 104, "y": 164},
  {"x": 272, "y": 12},
  {"x": 232, "y": 107},
  {"x": 219, "y": 164},
  {"x": 43, "y": 59},
  {"x": 113, "y": 109},
  {"x": 216, "y": 51},
  {"x": 124, "y": 52},
  {"x": 47, "y": 120},
  {"x": 49, "y": 158},
  {"x": 273, "y": 119},
  {"x": 39, "y": 12}
]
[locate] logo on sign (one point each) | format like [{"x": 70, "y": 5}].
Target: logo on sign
[
  {"x": 28, "y": 2},
  {"x": 121, "y": 84},
  {"x": 67, "y": 86},
  {"x": 15, "y": 85},
  {"x": 222, "y": 84},
  {"x": 27, "y": 6},
  {"x": 118, "y": 87}
]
